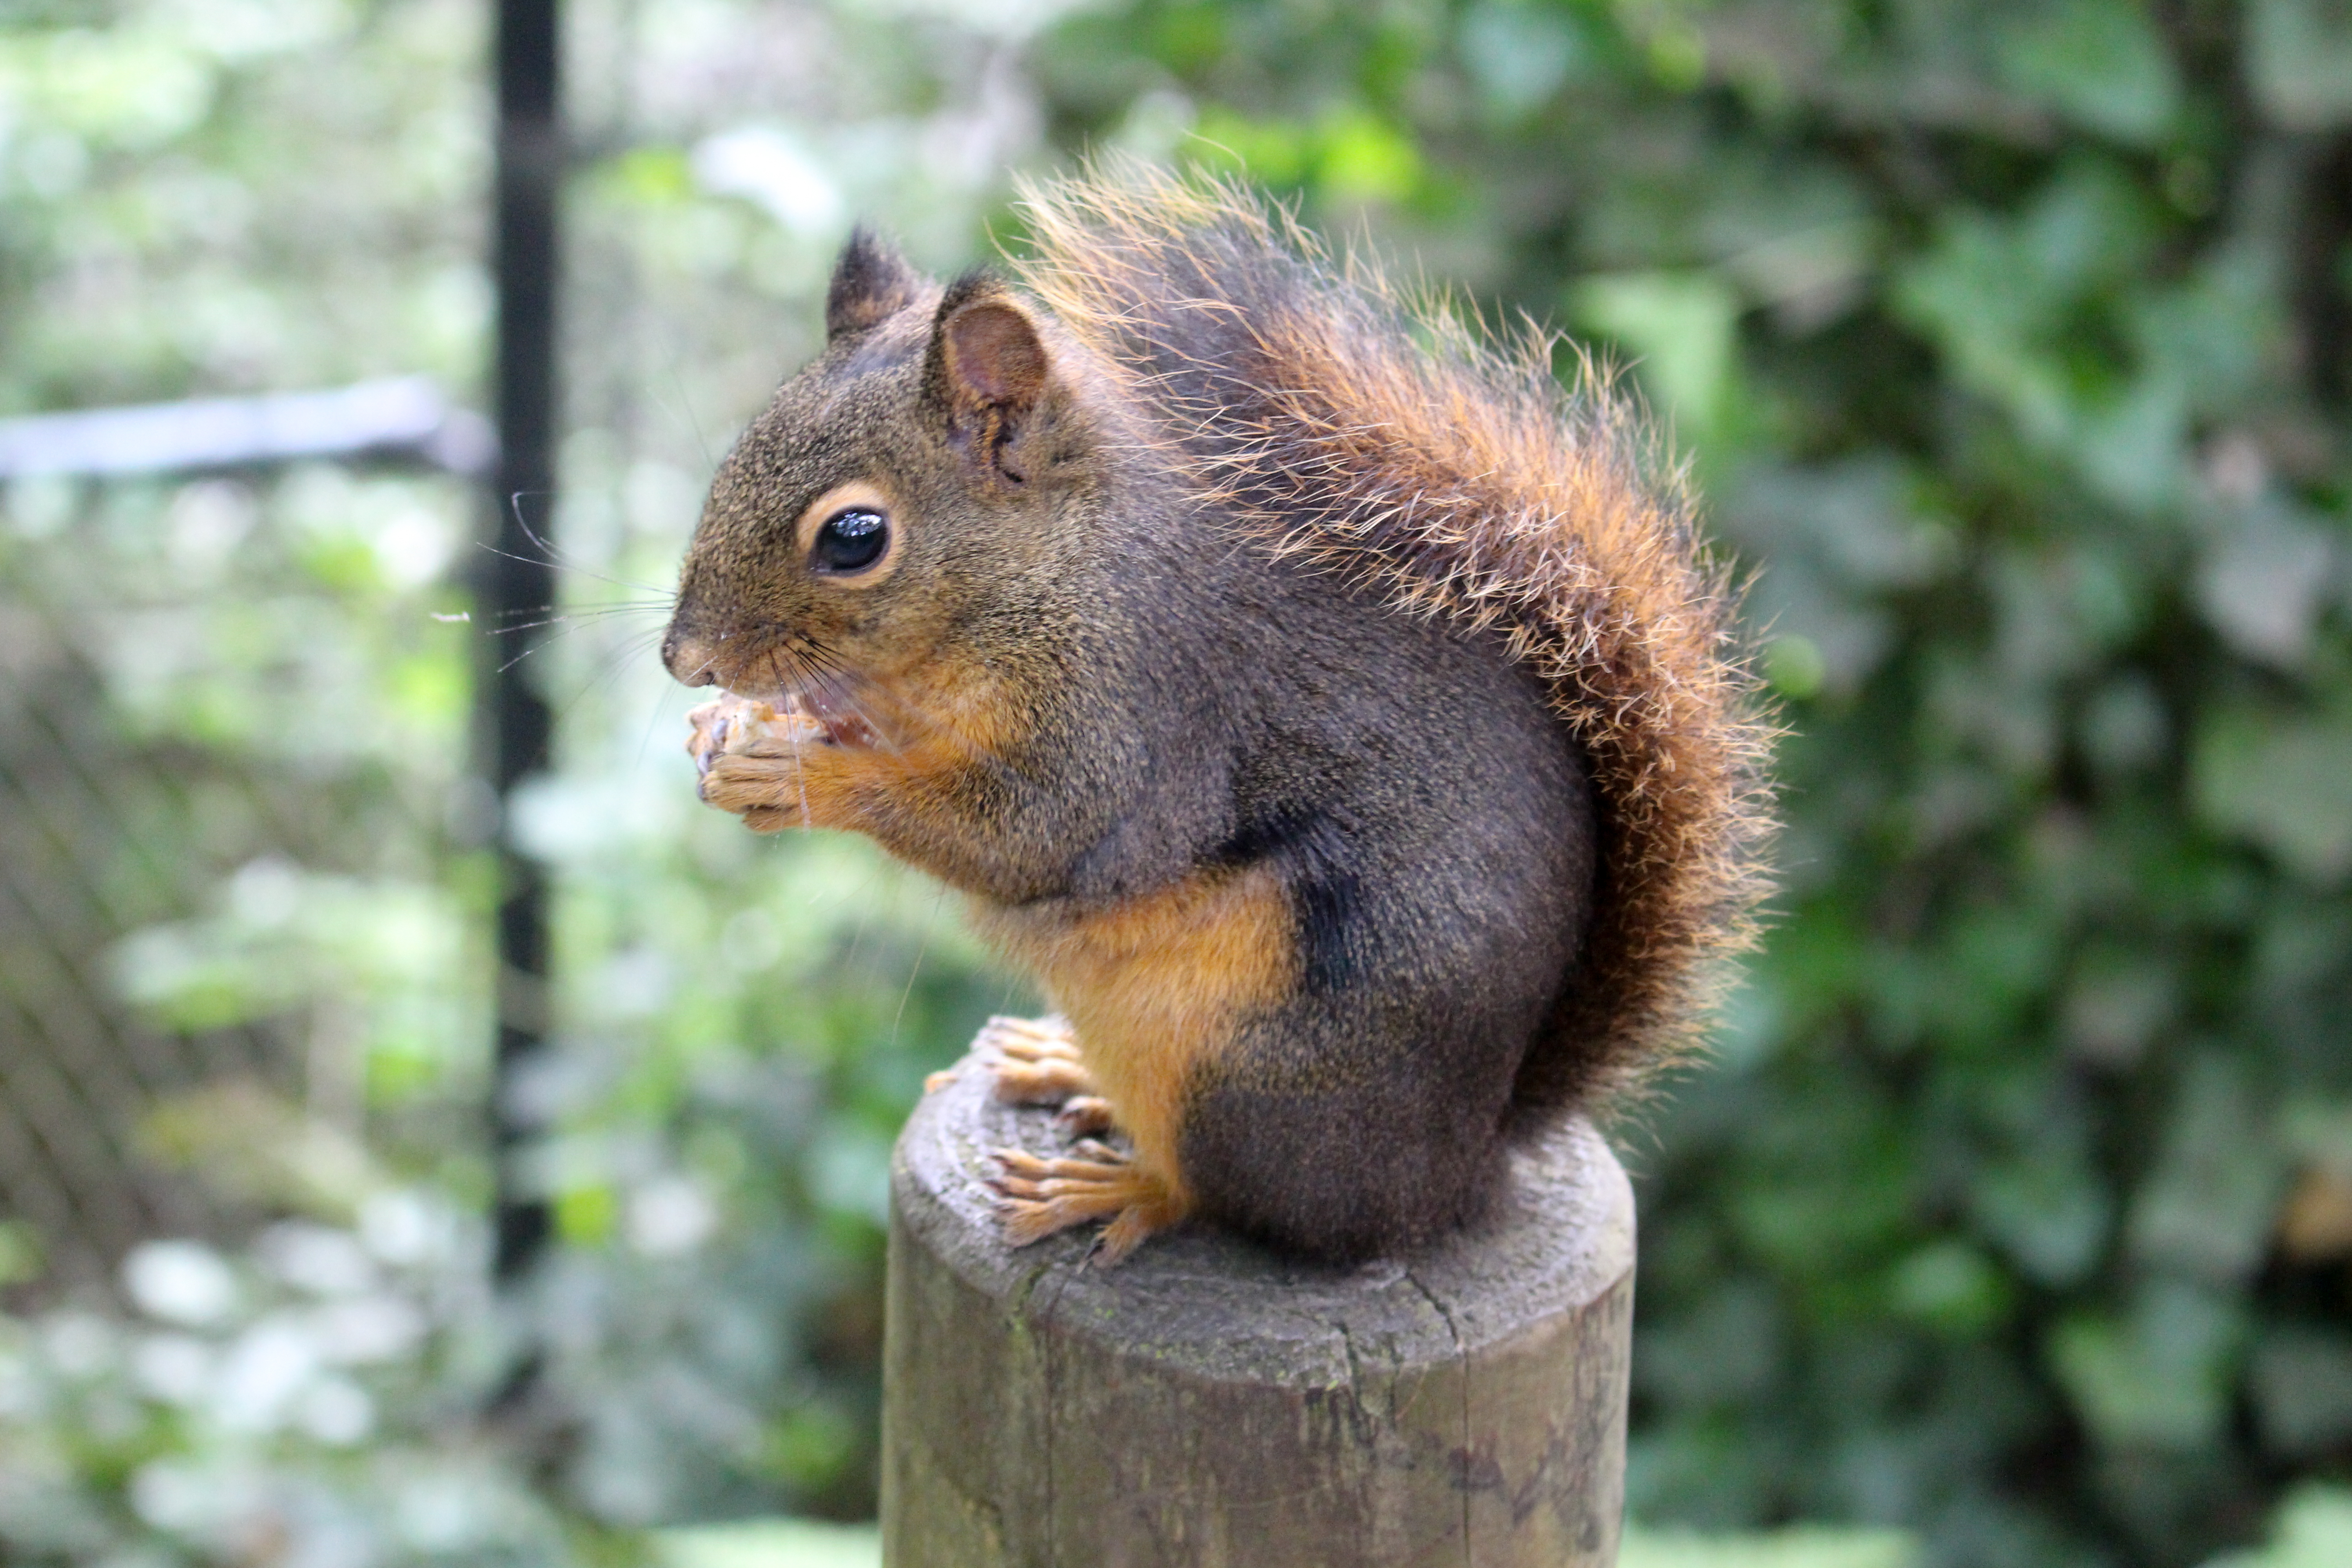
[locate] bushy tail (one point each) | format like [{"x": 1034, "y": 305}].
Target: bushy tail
[{"x": 1399, "y": 445}]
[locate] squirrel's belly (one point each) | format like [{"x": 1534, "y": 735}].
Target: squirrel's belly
[{"x": 1157, "y": 986}]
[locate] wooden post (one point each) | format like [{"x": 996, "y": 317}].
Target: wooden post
[{"x": 1207, "y": 1404}]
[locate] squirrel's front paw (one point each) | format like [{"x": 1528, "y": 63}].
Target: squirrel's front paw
[
  {"x": 767, "y": 793},
  {"x": 748, "y": 756}
]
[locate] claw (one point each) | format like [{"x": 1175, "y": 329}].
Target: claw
[
  {"x": 1036, "y": 1197},
  {"x": 1121, "y": 1236},
  {"x": 1083, "y": 1114}
]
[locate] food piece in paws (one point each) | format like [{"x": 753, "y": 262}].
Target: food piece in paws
[{"x": 729, "y": 724}]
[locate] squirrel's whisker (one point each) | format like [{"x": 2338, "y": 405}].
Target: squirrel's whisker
[
  {"x": 608, "y": 669},
  {"x": 664, "y": 602},
  {"x": 554, "y": 557},
  {"x": 574, "y": 570},
  {"x": 591, "y": 616}
]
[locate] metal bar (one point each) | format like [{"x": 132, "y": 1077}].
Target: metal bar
[
  {"x": 398, "y": 417},
  {"x": 517, "y": 574}
]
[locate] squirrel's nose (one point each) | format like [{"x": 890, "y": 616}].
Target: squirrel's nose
[{"x": 688, "y": 658}]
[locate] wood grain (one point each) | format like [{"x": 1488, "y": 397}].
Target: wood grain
[{"x": 1209, "y": 1404}]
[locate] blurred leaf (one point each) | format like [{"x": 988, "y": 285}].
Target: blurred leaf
[
  {"x": 2130, "y": 445},
  {"x": 21, "y": 1252},
  {"x": 1347, "y": 154},
  {"x": 139, "y": 87},
  {"x": 2159, "y": 1378},
  {"x": 2048, "y": 1208},
  {"x": 1723, "y": 1353},
  {"x": 2205, "y": 1209},
  {"x": 1273, "y": 153},
  {"x": 2119, "y": 1000},
  {"x": 1855, "y": 517},
  {"x": 1681, "y": 330},
  {"x": 810, "y": 1444},
  {"x": 2284, "y": 781},
  {"x": 849, "y": 1170},
  {"x": 1999, "y": 294},
  {"x": 308, "y": 1392},
  {"x": 1363, "y": 159},
  {"x": 2217, "y": 332},
  {"x": 2312, "y": 1529},
  {"x": 1952, "y": 1287},
  {"x": 1795, "y": 665},
  {"x": 2303, "y": 1390},
  {"x": 652, "y": 177},
  {"x": 2100, "y": 62},
  {"x": 258, "y": 1148},
  {"x": 1837, "y": 537},
  {"x": 1519, "y": 54},
  {"x": 2299, "y": 60},
  {"x": 587, "y": 1215},
  {"x": 2262, "y": 580}
]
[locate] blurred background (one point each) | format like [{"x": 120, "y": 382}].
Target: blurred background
[{"x": 2011, "y": 342}]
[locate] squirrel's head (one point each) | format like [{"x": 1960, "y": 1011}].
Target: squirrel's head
[{"x": 902, "y": 504}]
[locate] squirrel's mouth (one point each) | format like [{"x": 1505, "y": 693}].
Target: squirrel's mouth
[
  {"x": 843, "y": 723},
  {"x": 792, "y": 681}
]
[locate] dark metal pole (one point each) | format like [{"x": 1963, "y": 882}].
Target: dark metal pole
[{"x": 518, "y": 575}]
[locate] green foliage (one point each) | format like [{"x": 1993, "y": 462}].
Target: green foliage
[
  {"x": 309, "y": 1401},
  {"x": 2313, "y": 1528}
]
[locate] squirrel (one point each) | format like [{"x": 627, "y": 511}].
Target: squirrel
[{"x": 1342, "y": 720}]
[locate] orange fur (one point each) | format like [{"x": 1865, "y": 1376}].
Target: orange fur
[
  {"x": 1155, "y": 987},
  {"x": 932, "y": 723}
]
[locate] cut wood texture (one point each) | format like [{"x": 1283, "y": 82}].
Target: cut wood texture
[{"x": 1209, "y": 1404}]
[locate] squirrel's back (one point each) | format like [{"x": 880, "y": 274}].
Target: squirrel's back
[{"x": 1400, "y": 449}]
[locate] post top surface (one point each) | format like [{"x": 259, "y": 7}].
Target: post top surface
[{"x": 1223, "y": 1308}]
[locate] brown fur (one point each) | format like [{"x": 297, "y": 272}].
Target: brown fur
[
  {"x": 1339, "y": 720},
  {"x": 1461, "y": 482}
]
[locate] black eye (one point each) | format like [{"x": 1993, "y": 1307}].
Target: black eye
[{"x": 850, "y": 540}]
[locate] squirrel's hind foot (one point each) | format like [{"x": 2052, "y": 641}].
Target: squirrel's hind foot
[
  {"x": 1035, "y": 1062},
  {"x": 1043, "y": 1083},
  {"x": 1040, "y": 1197},
  {"x": 1030, "y": 1039}
]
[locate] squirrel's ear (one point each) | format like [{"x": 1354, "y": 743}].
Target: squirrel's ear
[
  {"x": 987, "y": 367},
  {"x": 870, "y": 281}
]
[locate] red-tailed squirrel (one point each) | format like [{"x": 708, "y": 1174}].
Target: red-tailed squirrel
[{"x": 1340, "y": 720}]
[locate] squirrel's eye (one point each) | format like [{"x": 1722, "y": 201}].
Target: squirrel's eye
[{"x": 850, "y": 540}]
